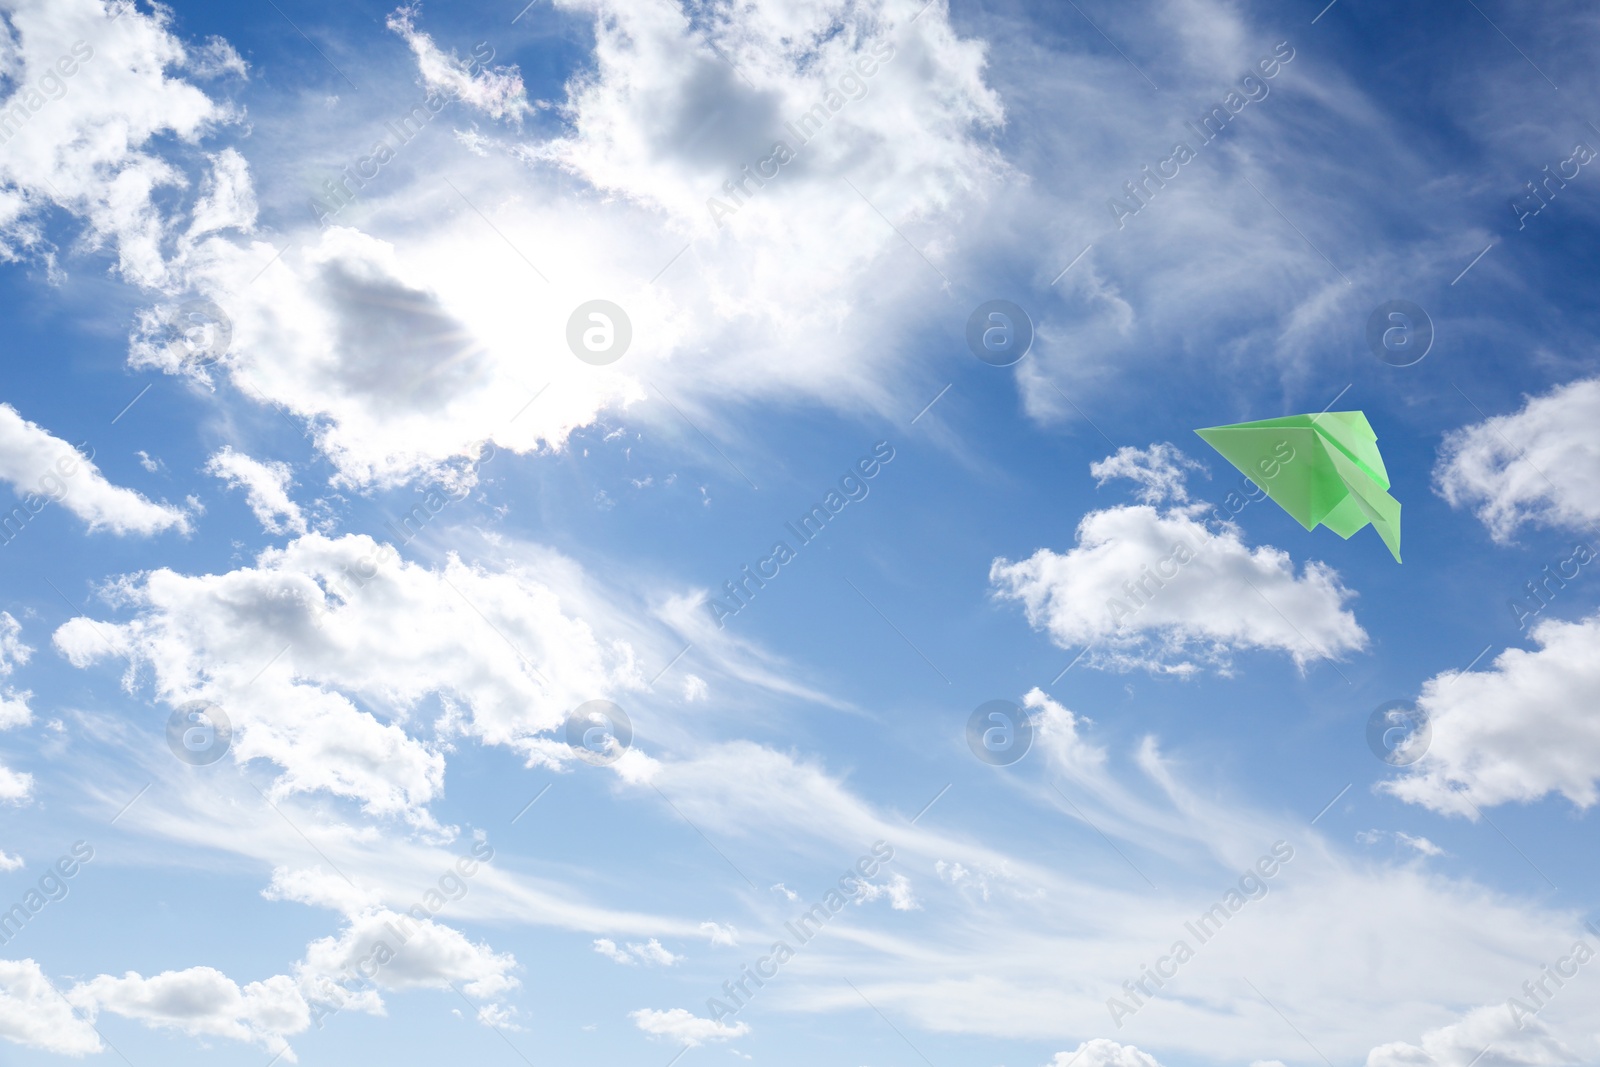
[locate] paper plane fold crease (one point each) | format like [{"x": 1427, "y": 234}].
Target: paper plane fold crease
[{"x": 1333, "y": 475}]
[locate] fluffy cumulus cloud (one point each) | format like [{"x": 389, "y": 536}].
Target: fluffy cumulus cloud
[
  {"x": 1102, "y": 1052},
  {"x": 15, "y": 786},
  {"x": 1520, "y": 730},
  {"x": 200, "y": 1001},
  {"x": 1539, "y": 465},
  {"x": 337, "y": 974},
  {"x": 325, "y": 652},
  {"x": 834, "y": 84},
  {"x": 90, "y": 101},
  {"x": 1157, "y": 589},
  {"x": 401, "y": 370},
  {"x": 34, "y": 1013},
  {"x": 266, "y": 488},
  {"x": 430, "y": 956},
  {"x": 377, "y": 950},
  {"x": 42, "y": 468},
  {"x": 684, "y": 1027},
  {"x": 382, "y": 948},
  {"x": 422, "y": 326}
]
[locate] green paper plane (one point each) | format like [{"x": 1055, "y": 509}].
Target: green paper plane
[{"x": 1319, "y": 468}]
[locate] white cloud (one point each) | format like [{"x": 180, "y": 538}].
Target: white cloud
[
  {"x": 9, "y": 862},
  {"x": 394, "y": 351},
  {"x": 498, "y": 1016},
  {"x": 319, "y": 889},
  {"x": 83, "y": 142},
  {"x": 684, "y": 1026},
  {"x": 1157, "y": 590},
  {"x": 348, "y": 639},
  {"x": 1489, "y": 1027},
  {"x": 963, "y": 965},
  {"x": 1442, "y": 941},
  {"x": 498, "y": 92},
  {"x": 1059, "y": 735},
  {"x": 1102, "y": 1052},
  {"x": 897, "y": 889},
  {"x": 398, "y": 343},
  {"x": 377, "y": 949},
  {"x": 35, "y": 1014},
  {"x": 1520, "y": 730},
  {"x": 215, "y": 59},
  {"x": 1540, "y": 465},
  {"x": 1161, "y": 471},
  {"x": 608, "y": 948},
  {"x": 201, "y": 1001},
  {"x": 641, "y": 132},
  {"x": 43, "y": 467},
  {"x": 652, "y": 952},
  {"x": 15, "y": 711},
  {"x": 431, "y": 957},
  {"x": 338, "y": 973},
  {"x": 266, "y": 486},
  {"x": 228, "y": 199},
  {"x": 720, "y": 934},
  {"x": 649, "y": 952},
  {"x": 15, "y": 786},
  {"x": 13, "y": 653},
  {"x": 1419, "y": 844}
]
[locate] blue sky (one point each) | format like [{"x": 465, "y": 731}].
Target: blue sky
[{"x": 331, "y": 466}]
